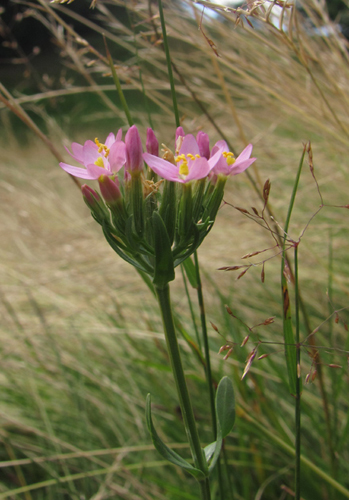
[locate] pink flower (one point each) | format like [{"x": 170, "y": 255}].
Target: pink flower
[
  {"x": 97, "y": 158},
  {"x": 187, "y": 166},
  {"x": 227, "y": 164}
]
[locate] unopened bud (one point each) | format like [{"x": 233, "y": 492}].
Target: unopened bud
[
  {"x": 152, "y": 143},
  {"x": 91, "y": 197},
  {"x": 204, "y": 144},
  {"x": 134, "y": 150},
  {"x": 94, "y": 203},
  {"x": 109, "y": 190},
  {"x": 179, "y": 132}
]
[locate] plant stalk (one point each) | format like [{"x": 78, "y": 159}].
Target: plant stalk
[{"x": 163, "y": 294}]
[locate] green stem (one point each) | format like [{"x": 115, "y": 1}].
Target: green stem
[
  {"x": 163, "y": 294},
  {"x": 169, "y": 64},
  {"x": 298, "y": 385}
]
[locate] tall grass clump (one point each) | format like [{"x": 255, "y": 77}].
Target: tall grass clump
[{"x": 82, "y": 338}]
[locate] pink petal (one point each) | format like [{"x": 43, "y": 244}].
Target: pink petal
[
  {"x": 189, "y": 146},
  {"x": 90, "y": 154},
  {"x": 217, "y": 156},
  {"x": 240, "y": 166},
  {"x": 220, "y": 145},
  {"x": 117, "y": 156},
  {"x": 76, "y": 152},
  {"x": 82, "y": 173},
  {"x": 161, "y": 167},
  {"x": 110, "y": 140},
  {"x": 119, "y": 135},
  {"x": 245, "y": 154},
  {"x": 95, "y": 171},
  {"x": 198, "y": 169}
]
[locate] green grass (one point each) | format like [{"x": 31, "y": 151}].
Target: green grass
[{"x": 82, "y": 340}]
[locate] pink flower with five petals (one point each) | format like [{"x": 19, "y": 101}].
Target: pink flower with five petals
[
  {"x": 227, "y": 164},
  {"x": 98, "y": 158},
  {"x": 187, "y": 166}
]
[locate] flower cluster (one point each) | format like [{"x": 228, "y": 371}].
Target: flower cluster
[{"x": 156, "y": 216}]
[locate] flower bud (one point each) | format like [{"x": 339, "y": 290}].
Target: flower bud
[
  {"x": 109, "y": 190},
  {"x": 134, "y": 150},
  {"x": 94, "y": 203},
  {"x": 204, "y": 144},
  {"x": 179, "y": 133},
  {"x": 152, "y": 143},
  {"x": 91, "y": 197}
]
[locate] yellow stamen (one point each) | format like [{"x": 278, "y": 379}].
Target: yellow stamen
[
  {"x": 183, "y": 169},
  {"x": 229, "y": 157},
  {"x": 102, "y": 147},
  {"x": 190, "y": 156},
  {"x": 99, "y": 162}
]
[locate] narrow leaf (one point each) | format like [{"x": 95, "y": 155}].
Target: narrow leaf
[
  {"x": 190, "y": 271},
  {"x": 164, "y": 450},
  {"x": 290, "y": 349}
]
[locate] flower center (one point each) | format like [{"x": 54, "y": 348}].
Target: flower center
[
  {"x": 99, "y": 162},
  {"x": 229, "y": 157},
  {"x": 184, "y": 168},
  {"x": 102, "y": 148}
]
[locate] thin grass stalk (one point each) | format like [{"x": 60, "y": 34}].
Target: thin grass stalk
[
  {"x": 169, "y": 64},
  {"x": 257, "y": 426},
  {"x": 298, "y": 385},
  {"x": 208, "y": 371},
  {"x": 163, "y": 295},
  {"x": 118, "y": 85}
]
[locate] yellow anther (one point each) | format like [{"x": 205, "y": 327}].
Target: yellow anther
[
  {"x": 229, "y": 157},
  {"x": 183, "y": 169},
  {"x": 190, "y": 156},
  {"x": 102, "y": 147},
  {"x": 99, "y": 162},
  {"x": 197, "y": 156},
  {"x": 180, "y": 158}
]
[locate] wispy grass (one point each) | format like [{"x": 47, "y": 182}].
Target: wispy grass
[{"x": 78, "y": 360}]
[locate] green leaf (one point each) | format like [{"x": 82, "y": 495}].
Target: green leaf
[
  {"x": 190, "y": 271},
  {"x": 164, "y": 450},
  {"x": 225, "y": 412},
  {"x": 209, "y": 450},
  {"x": 164, "y": 270},
  {"x": 225, "y": 405}
]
